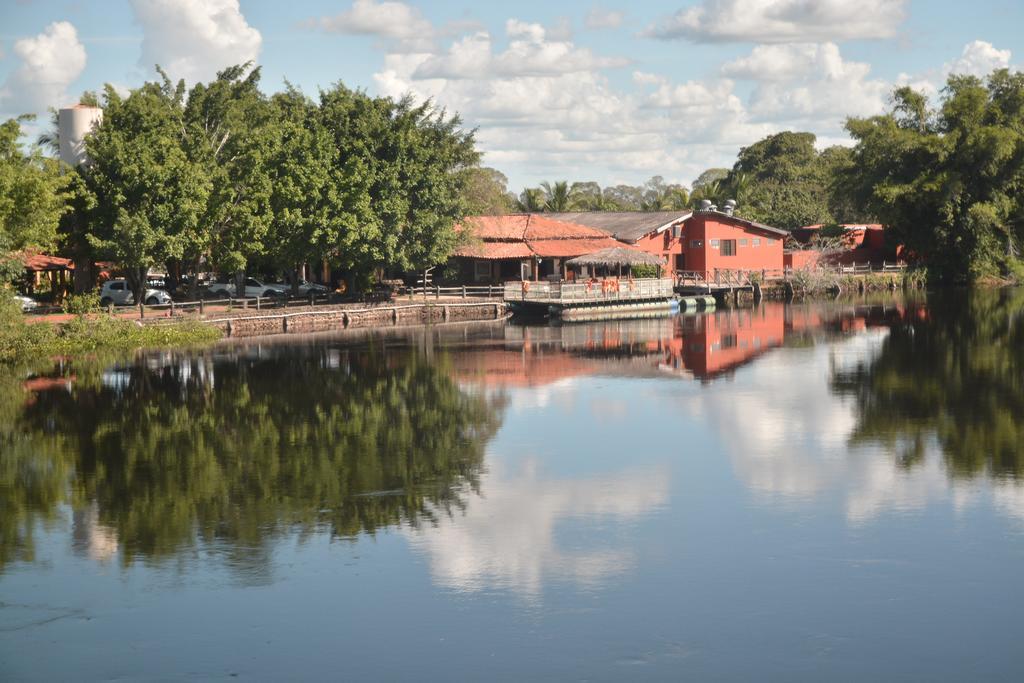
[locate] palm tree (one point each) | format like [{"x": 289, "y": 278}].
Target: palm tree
[
  {"x": 556, "y": 197},
  {"x": 531, "y": 200},
  {"x": 672, "y": 198},
  {"x": 711, "y": 191},
  {"x": 49, "y": 139},
  {"x": 739, "y": 187}
]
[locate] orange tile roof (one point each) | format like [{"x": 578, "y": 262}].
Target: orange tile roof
[
  {"x": 495, "y": 250},
  {"x": 571, "y": 248},
  {"x": 521, "y": 236}
]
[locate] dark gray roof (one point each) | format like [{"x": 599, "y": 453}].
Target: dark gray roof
[
  {"x": 626, "y": 226},
  {"x": 744, "y": 221}
]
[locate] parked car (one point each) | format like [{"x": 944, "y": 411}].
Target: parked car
[
  {"x": 118, "y": 292},
  {"x": 253, "y": 288},
  {"x": 305, "y": 287},
  {"x": 27, "y": 303}
]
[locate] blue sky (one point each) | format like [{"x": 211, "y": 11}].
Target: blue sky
[{"x": 610, "y": 91}]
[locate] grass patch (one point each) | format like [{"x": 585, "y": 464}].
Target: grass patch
[{"x": 90, "y": 333}]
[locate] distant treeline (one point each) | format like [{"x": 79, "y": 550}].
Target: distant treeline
[{"x": 223, "y": 176}]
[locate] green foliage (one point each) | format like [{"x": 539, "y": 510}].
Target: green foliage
[
  {"x": 82, "y": 304},
  {"x": 486, "y": 193},
  {"x": 782, "y": 181},
  {"x": 21, "y": 341},
  {"x": 948, "y": 180},
  {"x": 32, "y": 200},
  {"x": 642, "y": 270},
  {"x": 654, "y": 195}
]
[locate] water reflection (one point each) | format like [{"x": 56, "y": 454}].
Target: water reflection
[
  {"x": 237, "y": 447},
  {"x": 172, "y": 452},
  {"x": 507, "y": 540}
]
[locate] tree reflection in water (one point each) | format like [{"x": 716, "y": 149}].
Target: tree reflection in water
[
  {"x": 232, "y": 454},
  {"x": 953, "y": 373}
]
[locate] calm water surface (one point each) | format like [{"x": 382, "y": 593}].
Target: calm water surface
[{"x": 813, "y": 492}]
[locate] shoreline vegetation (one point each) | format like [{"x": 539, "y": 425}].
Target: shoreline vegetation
[{"x": 90, "y": 332}]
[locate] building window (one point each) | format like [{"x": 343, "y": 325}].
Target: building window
[
  {"x": 696, "y": 244},
  {"x": 728, "y": 247},
  {"x": 757, "y": 241},
  {"x": 482, "y": 271},
  {"x": 714, "y": 244},
  {"x": 743, "y": 243}
]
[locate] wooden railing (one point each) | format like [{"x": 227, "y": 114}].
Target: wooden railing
[
  {"x": 458, "y": 291},
  {"x": 233, "y": 303},
  {"x": 608, "y": 289}
]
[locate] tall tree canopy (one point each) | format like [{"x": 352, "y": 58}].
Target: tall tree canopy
[
  {"x": 783, "y": 181},
  {"x": 948, "y": 180}
]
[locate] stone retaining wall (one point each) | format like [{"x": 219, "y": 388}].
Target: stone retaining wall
[{"x": 381, "y": 316}]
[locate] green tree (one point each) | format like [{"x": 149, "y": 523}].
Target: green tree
[
  {"x": 399, "y": 189},
  {"x": 33, "y": 194},
  {"x": 786, "y": 182},
  {"x": 948, "y": 181},
  {"x": 228, "y": 132},
  {"x": 487, "y": 193},
  {"x": 149, "y": 196},
  {"x": 300, "y": 164}
]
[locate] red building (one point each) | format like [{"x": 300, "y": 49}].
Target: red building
[{"x": 716, "y": 240}]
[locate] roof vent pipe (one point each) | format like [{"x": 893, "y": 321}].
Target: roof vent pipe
[
  {"x": 706, "y": 205},
  {"x": 730, "y": 206}
]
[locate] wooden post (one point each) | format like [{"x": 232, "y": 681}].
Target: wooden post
[
  {"x": 201, "y": 307},
  {"x": 463, "y": 291},
  {"x": 231, "y": 302},
  {"x": 437, "y": 291},
  {"x": 142, "y": 311},
  {"x": 344, "y": 320},
  {"x": 230, "y": 330},
  {"x": 445, "y": 313},
  {"x": 394, "y": 315},
  {"x": 172, "y": 308},
  {"x": 284, "y": 323},
  {"x": 257, "y": 303}
]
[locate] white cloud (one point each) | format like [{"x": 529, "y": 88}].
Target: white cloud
[
  {"x": 979, "y": 58},
  {"x": 402, "y": 24},
  {"x": 194, "y": 39},
  {"x": 50, "y": 62},
  {"x": 601, "y": 18},
  {"x": 808, "y": 84},
  {"x": 530, "y": 52},
  {"x": 781, "y": 21}
]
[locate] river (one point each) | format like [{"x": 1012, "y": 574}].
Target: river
[{"x": 821, "y": 491}]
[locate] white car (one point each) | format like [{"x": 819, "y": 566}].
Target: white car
[
  {"x": 27, "y": 304},
  {"x": 118, "y": 292},
  {"x": 253, "y": 288}
]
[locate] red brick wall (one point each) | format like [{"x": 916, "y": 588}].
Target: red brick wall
[{"x": 766, "y": 255}]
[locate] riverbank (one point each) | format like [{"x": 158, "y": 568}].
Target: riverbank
[{"x": 91, "y": 334}]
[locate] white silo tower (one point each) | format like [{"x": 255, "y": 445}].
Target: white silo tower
[{"x": 73, "y": 124}]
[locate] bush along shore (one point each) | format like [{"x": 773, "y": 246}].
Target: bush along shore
[
  {"x": 90, "y": 332},
  {"x": 828, "y": 283}
]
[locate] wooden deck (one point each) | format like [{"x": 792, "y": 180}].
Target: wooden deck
[{"x": 570, "y": 298}]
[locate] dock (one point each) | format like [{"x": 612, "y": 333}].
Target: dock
[{"x": 586, "y": 300}]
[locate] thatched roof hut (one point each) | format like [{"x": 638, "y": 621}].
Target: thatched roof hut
[{"x": 616, "y": 256}]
